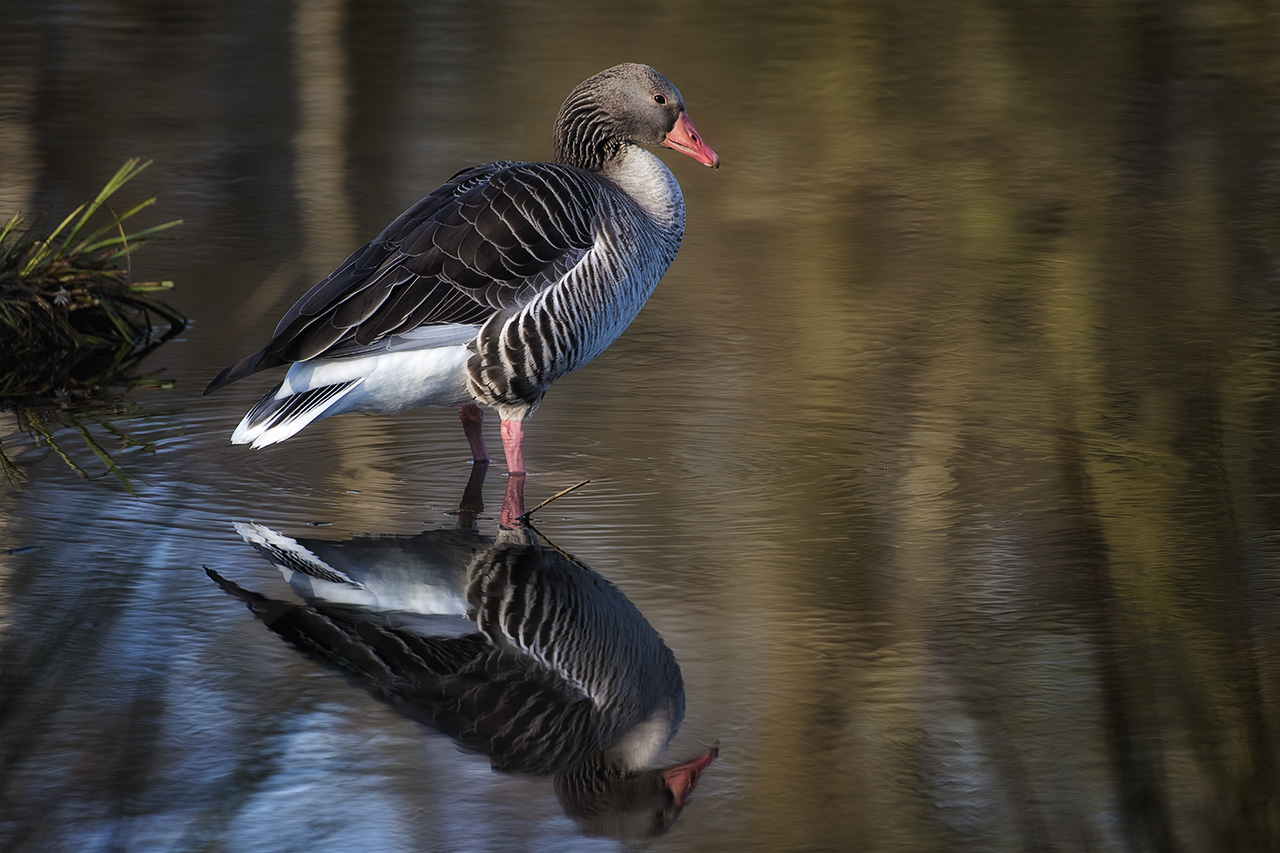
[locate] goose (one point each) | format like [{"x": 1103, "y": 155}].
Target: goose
[
  {"x": 507, "y": 277},
  {"x": 520, "y": 653}
]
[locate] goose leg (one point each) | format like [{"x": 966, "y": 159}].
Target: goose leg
[
  {"x": 472, "y": 417},
  {"x": 472, "y": 503},
  {"x": 513, "y": 502},
  {"x": 513, "y": 446}
]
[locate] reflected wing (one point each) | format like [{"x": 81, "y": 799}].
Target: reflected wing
[
  {"x": 488, "y": 239},
  {"x": 514, "y": 710}
]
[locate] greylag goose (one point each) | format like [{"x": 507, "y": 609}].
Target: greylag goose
[
  {"x": 521, "y": 653},
  {"x": 505, "y": 278}
]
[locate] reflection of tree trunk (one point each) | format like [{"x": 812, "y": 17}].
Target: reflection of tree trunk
[
  {"x": 1001, "y": 749},
  {"x": 1244, "y": 818},
  {"x": 1238, "y": 757},
  {"x": 320, "y": 154},
  {"x": 319, "y": 145},
  {"x": 1143, "y": 811},
  {"x": 39, "y": 666},
  {"x": 1247, "y": 127},
  {"x": 137, "y": 753},
  {"x": 19, "y": 163}
]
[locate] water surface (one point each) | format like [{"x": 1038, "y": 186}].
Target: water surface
[{"x": 943, "y": 460}]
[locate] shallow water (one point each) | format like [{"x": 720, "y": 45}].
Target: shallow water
[{"x": 943, "y": 460}]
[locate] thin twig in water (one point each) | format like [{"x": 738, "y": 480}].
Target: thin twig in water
[{"x": 525, "y": 518}]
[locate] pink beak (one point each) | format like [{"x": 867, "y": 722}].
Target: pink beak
[
  {"x": 685, "y": 139},
  {"x": 683, "y": 778}
]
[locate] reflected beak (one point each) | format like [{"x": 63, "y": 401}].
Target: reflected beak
[
  {"x": 685, "y": 139},
  {"x": 683, "y": 778}
]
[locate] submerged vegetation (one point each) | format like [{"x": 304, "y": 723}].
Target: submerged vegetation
[{"x": 73, "y": 323}]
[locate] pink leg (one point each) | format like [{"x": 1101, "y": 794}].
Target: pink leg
[
  {"x": 513, "y": 446},
  {"x": 472, "y": 420},
  {"x": 513, "y": 501}
]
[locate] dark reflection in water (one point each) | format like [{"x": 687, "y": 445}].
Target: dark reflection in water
[{"x": 511, "y": 647}]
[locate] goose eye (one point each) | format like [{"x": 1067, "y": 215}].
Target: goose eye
[{"x": 660, "y": 99}]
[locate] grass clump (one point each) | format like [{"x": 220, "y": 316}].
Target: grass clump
[
  {"x": 70, "y": 315},
  {"x": 73, "y": 326}
]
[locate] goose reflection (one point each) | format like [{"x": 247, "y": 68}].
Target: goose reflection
[{"x": 510, "y": 646}]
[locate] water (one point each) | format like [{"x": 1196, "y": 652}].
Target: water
[{"x": 943, "y": 459}]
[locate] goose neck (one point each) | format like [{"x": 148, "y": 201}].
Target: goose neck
[{"x": 649, "y": 183}]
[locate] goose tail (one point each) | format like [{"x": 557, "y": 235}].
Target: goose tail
[{"x": 279, "y": 416}]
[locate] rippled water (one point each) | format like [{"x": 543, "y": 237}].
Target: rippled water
[{"x": 943, "y": 460}]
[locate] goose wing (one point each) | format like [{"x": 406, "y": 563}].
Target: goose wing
[{"x": 488, "y": 239}]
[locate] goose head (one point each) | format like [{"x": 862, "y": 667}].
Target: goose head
[
  {"x": 628, "y": 104},
  {"x": 629, "y": 804}
]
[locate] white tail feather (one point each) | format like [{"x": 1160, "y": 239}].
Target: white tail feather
[
  {"x": 276, "y": 418},
  {"x": 288, "y": 555}
]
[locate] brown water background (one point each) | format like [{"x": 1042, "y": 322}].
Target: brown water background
[{"x": 945, "y": 458}]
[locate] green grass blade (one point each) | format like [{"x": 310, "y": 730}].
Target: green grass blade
[
  {"x": 101, "y": 453},
  {"x": 11, "y": 471},
  {"x": 45, "y": 433},
  {"x": 44, "y": 248},
  {"x": 84, "y": 245},
  {"x": 9, "y": 227},
  {"x": 11, "y": 246},
  {"x": 128, "y": 332},
  {"x": 132, "y": 241},
  {"x": 123, "y": 175},
  {"x": 151, "y": 286}
]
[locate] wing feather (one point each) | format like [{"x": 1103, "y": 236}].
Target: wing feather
[{"x": 487, "y": 240}]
